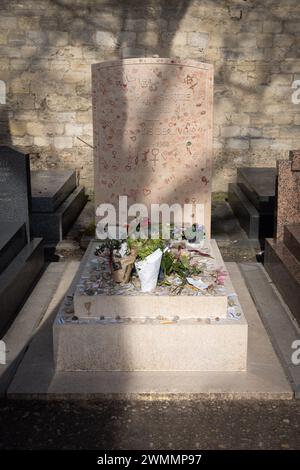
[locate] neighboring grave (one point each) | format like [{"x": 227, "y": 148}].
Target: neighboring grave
[
  {"x": 14, "y": 211},
  {"x": 56, "y": 203},
  {"x": 252, "y": 199},
  {"x": 49, "y": 188},
  {"x": 21, "y": 258},
  {"x": 153, "y": 132},
  {"x": 282, "y": 254},
  {"x": 288, "y": 193},
  {"x": 14, "y": 188},
  {"x": 153, "y": 143}
]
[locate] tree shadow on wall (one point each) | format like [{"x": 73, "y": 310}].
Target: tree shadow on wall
[{"x": 81, "y": 19}]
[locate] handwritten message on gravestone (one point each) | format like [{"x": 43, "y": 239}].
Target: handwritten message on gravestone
[{"x": 152, "y": 123}]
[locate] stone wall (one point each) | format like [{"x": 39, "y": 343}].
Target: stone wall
[{"x": 47, "y": 48}]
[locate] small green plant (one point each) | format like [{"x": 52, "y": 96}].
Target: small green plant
[
  {"x": 144, "y": 247},
  {"x": 178, "y": 265}
]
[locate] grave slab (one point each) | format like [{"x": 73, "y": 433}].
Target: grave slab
[
  {"x": 252, "y": 200},
  {"x": 53, "y": 226},
  {"x": 282, "y": 253},
  {"x": 244, "y": 211},
  {"x": 291, "y": 239},
  {"x": 49, "y": 188},
  {"x": 153, "y": 304},
  {"x": 17, "y": 279},
  {"x": 30, "y": 319},
  {"x": 284, "y": 270},
  {"x": 21, "y": 259},
  {"x": 13, "y": 237},
  {"x": 125, "y": 339},
  {"x": 36, "y": 377},
  {"x": 258, "y": 184}
]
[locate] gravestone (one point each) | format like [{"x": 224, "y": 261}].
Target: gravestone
[
  {"x": 14, "y": 187},
  {"x": 20, "y": 257},
  {"x": 14, "y": 204},
  {"x": 49, "y": 188},
  {"x": 152, "y": 121},
  {"x": 252, "y": 199},
  {"x": 288, "y": 193},
  {"x": 153, "y": 143},
  {"x": 282, "y": 254},
  {"x": 56, "y": 203}
]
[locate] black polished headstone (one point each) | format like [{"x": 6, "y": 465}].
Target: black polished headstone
[
  {"x": 13, "y": 238},
  {"x": 258, "y": 184},
  {"x": 15, "y": 194},
  {"x": 53, "y": 226},
  {"x": 49, "y": 188},
  {"x": 244, "y": 210},
  {"x": 17, "y": 280},
  {"x": 21, "y": 259}
]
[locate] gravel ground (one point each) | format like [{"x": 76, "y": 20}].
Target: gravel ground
[{"x": 150, "y": 425}]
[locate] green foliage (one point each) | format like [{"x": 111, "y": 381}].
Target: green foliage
[
  {"x": 143, "y": 247},
  {"x": 178, "y": 265}
]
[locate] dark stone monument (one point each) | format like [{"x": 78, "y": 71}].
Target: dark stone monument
[
  {"x": 252, "y": 200},
  {"x": 21, "y": 258},
  {"x": 282, "y": 254},
  {"x": 14, "y": 187},
  {"x": 49, "y": 188},
  {"x": 56, "y": 203},
  {"x": 13, "y": 237}
]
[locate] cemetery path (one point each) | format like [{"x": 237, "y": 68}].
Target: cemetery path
[{"x": 145, "y": 425}]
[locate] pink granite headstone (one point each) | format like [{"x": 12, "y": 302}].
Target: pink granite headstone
[
  {"x": 152, "y": 122},
  {"x": 295, "y": 158},
  {"x": 288, "y": 192}
]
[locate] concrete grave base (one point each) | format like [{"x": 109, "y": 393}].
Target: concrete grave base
[
  {"x": 203, "y": 338},
  {"x": 151, "y": 304},
  {"x": 184, "y": 346},
  {"x": 264, "y": 378}
]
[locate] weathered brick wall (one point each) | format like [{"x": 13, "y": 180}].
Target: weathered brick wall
[{"x": 48, "y": 46}]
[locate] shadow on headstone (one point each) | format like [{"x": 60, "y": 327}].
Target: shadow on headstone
[{"x": 21, "y": 259}]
